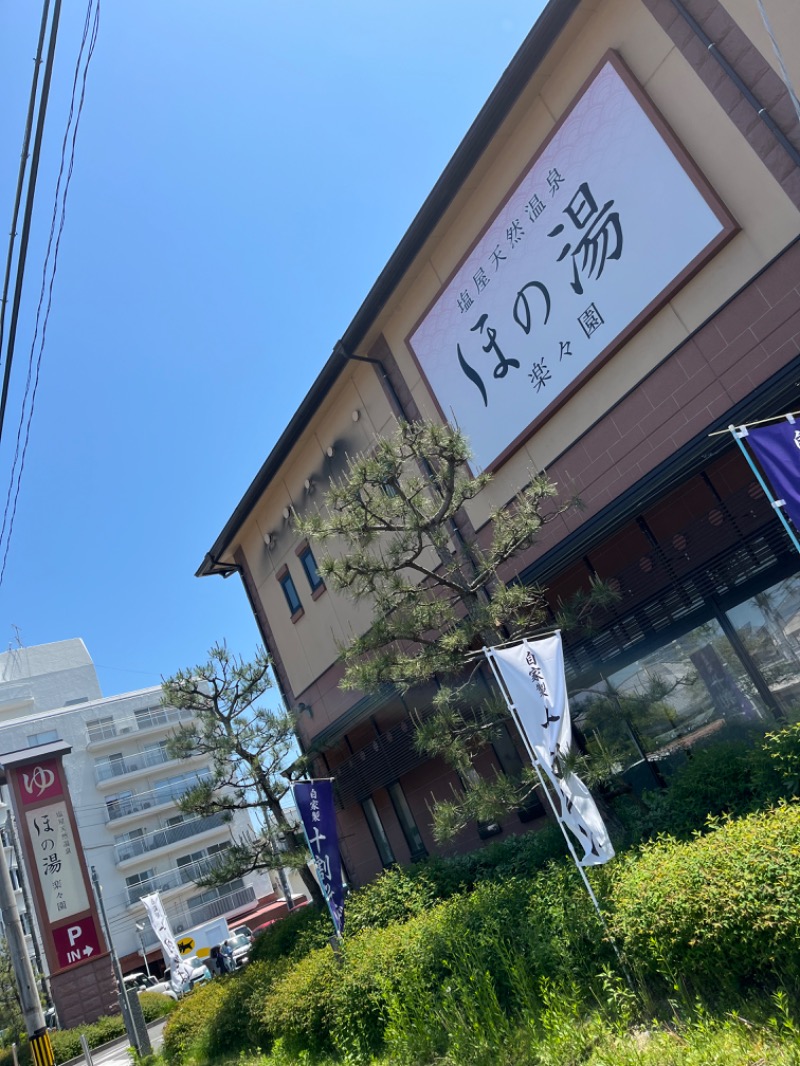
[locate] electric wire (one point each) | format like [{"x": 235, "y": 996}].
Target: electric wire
[
  {"x": 23, "y": 166},
  {"x": 28, "y": 214},
  {"x": 46, "y": 292}
]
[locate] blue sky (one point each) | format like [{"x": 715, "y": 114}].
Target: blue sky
[{"x": 243, "y": 172}]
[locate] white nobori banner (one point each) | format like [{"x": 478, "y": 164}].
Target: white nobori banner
[
  {"x": 180, "y": 974},
  {"x": 532, "y": 674}
]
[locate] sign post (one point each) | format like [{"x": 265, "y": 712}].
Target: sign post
[{"x": 82, "y": 979}]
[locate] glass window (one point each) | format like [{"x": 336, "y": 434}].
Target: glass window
[
  {"x": 290, "y": 592},
  {"x": 378, "y": 832},
  {"x": 768, "y": 625},
  {"x": 512, "y": 766},
  {"x": 407, "y": 823},
  {"x": 310, "y": 567},
  {"x": 691, "y": 691},
  {"x": 50, "y": 736},
  {"x": 101, "y": 728}
]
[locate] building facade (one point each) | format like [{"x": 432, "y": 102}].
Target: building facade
[
  {"x": 125, "y": 789},
  {"x": 603, "y": 279}
]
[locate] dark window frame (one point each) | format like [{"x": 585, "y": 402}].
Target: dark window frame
[
  {"x": 316, "y": 582},
  {"x": 290, "y": 593},
  {"x": 381, "y": 839},
  {"x": 408, "y": 823}
]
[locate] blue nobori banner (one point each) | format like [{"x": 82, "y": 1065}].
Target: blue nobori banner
[
  {"x": 314, "y": 801},
  {"x": 777, "y": 449}
]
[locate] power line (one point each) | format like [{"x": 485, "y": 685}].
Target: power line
[
  {"x": 26, "y": 222},
  {"x": 46, "y": 292}
]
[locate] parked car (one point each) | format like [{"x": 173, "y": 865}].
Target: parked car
[
  {"x": 240, "y": 944},
  {"x": 141, "y": 982},
  {"x": 198, "y": 969},
  {"x": 198, "y": 972},
  {"x": 244, "y": 930}
]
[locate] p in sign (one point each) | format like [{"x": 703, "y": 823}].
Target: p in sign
[{"x": 76, "y": 942}]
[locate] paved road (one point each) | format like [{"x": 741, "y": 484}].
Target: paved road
[{"x": 118, "y": 1053}]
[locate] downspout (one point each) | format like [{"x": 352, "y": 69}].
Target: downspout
[{"x": 749, "y": 96}]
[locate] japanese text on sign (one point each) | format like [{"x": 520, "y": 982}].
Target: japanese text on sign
[
  {"x": 57, "y": 861},
  {"x": 577, "y": 253}
]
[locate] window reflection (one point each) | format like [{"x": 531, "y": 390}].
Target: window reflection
[
  {"x": 685, "y": 694},
  {"x": 769, "y": 627}
]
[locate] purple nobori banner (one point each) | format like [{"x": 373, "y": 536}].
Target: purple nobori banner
[
  {"x": 314, "y": 801},
  {"x": 777, "y": 449}
]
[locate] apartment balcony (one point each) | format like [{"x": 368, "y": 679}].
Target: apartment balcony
[
  {"x": 147, "y": 721},
  {"x": 178, "y": 877},
  {"x": 119, "y": 765},
  {"x": 163, "y": 838},
  {"x": 140, "y": 802}
]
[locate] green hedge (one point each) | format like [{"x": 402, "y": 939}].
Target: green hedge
[
  {"x": 222, "y": 1017},
  {"x": 722, "y": 908},
  {"x": 720, "y": 912},
  {"x": 293, "y": 936}
]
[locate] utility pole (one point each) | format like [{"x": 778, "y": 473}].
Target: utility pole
[
  {"x": 26, "y": 980},
  {"x": 11, "y": 829},
  {"x": 131, "y": 1012}
]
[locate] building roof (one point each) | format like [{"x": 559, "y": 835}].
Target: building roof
[{"x": 505, "y": 94}]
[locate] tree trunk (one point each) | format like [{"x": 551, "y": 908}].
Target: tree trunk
[{"x": 312, "y": 886}]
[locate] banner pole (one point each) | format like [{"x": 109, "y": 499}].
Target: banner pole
[
  {"x": 738, "y": 433},
  {"x": 556, "y": 814}
]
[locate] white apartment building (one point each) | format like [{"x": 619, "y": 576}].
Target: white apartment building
[{"x": 125, "y": 789}]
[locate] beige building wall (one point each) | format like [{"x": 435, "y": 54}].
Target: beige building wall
[{"x": 310, "y": 643}]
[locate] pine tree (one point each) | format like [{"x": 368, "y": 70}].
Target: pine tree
[
  {"x": 393, "y": 522},
  {"x": 249, "y": 747}
]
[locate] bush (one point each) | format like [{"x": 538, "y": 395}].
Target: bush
[
  {"x": 67, "y": 1042},
  {"x": 295, "y": 935},
  {"x": 298, "y": 1008},
  {"x": 155, "y": 1005},
  {"x": 239, "y": 1020},
  {"x": 191, "y": 1024},
  {"x": 722, "y": 909},
  {"x": 395, "y": 896}
]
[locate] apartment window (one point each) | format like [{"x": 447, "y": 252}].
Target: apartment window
[
  {"x": 378, "y": 832},
  {"x": 146, "y": 717},
  {"x": 50, "y": 736},
  {"x": 120, "y": 804},
  {"x": 214, "y": 894},
  {"x": 407, "y": 823},
  {"x": 309, "y": 564},
  {"x": 290, "y": 592},
  {"x": 154, "y": 754},
  {"x": 100, "y": 729},
  {"x": 172, "y": 788},
  {"x": 135, "y": 880}
]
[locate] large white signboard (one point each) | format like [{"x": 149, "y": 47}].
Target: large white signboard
[
  {"x": 608, "y": 220},
  {"x": 57, "y": 861}
]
